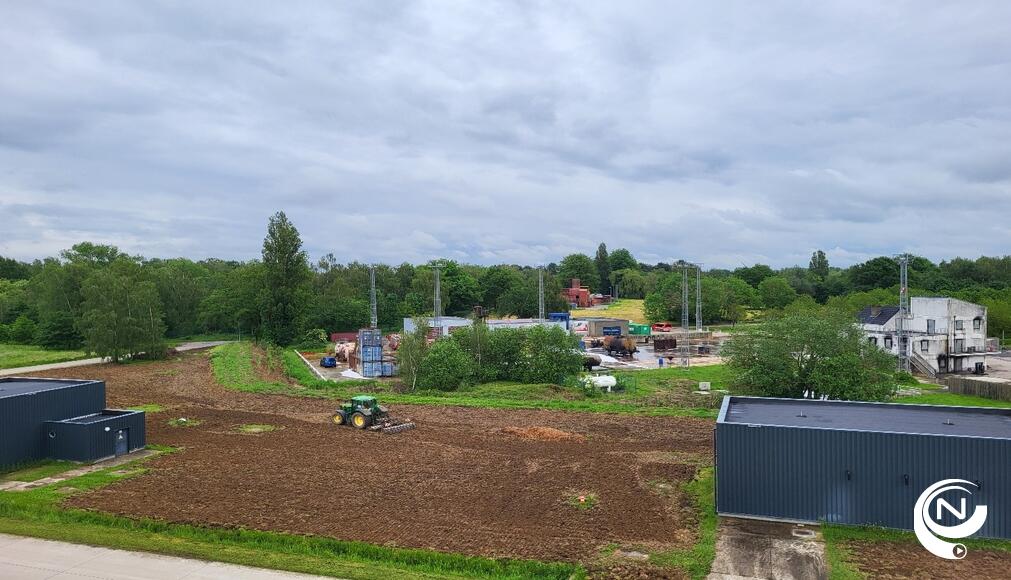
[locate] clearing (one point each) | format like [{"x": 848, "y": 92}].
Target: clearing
[{"x": 629, "y": 308}]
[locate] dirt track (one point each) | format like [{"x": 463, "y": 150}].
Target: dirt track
[{"x": 464, "y": 481}]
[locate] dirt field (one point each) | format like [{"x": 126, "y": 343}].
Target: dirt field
[
  {"x": 477, "y": 481},
  {"x": 894, "y": 561}
]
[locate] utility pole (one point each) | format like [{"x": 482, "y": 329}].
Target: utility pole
[
  {"x": 540, "y": 294},
  {"x": 374, "y": 316},
  {"x": 698, "y": 297},
  {"x": 685, "y": 346},
  {"x": 437, "y": 306},
  {"x": 900, "y": 320}
]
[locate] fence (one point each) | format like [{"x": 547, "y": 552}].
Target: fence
[{"x": 999, "y": 391}]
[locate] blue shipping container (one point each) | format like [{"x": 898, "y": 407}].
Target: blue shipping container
[
  {"x": 371, "y": 369},
  {"x": 389, "y": 369},
  {"x": 372, "y": 353}
]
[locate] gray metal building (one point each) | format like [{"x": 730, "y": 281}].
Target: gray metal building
[
  {"x": 63, "y": 419},
  {"x": 857, "y": 463}
]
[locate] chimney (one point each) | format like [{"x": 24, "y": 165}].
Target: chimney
[{"x": 575, "y": 283}]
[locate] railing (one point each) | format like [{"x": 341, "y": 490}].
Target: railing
[{"x": 921, "y": 364}]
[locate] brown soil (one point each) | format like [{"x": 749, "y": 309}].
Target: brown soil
[
  {"x": 542, "y": 434},
  {"x": 455, "y": 483},
  {"x": 894, "y": 561}
]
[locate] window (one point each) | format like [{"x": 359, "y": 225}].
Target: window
[
  {"x": 873, "y": 340},
  {"x": 931, "y": 326},
  {"x": 924, "y": 346},
  {"x": 888, "y": 342},
  {"x": 977, "y": 323},
  {"x": 959, "y": 345},
  {"x": 959, "y": 325}
]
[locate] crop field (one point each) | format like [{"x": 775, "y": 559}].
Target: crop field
[{"x": 493, "y": 483}]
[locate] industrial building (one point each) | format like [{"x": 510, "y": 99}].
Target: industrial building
[
  {"x": 944, "y": 335},
  {"x": 599, "y": 326},
  {"x": 63, "y": 419},
  {"x": 445, "y": 324},
  {"x": 496, "y": 323},
  {"x": 857, "y": 463}
]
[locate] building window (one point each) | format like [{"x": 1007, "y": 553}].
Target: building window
[
  {"x": 931, "y": 326},
  {"x": 888, "y": 342},
  {"x": 959, "y": 325},
  {"x": 924, "y": 346},
  {"x": 977, "y": 323},
  {"x": 873, "y": 340}
]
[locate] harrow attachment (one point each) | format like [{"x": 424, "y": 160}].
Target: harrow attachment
[{"x": 390, "y": 426}]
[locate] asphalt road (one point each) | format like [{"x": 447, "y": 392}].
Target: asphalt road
[{"x": 97, "y": 361}]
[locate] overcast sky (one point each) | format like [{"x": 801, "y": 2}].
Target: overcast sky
[{"x": 724, "y": 132}]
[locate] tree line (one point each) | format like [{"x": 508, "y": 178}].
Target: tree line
[{"x": 98, "y": 298}]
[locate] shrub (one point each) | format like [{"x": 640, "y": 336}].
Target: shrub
[
  {"x": 549, "y": 355},
  {"x": 22, "y": 331},
  {"x": 446, "y": 366}
]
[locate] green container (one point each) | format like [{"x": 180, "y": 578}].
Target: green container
[{"x": 638, "y": 329}]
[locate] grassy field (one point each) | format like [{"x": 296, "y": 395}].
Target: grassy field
[
  {"x": 24, "y": 355},
  {"x": 37, "y": 471},
  {"x": 627, "y": 308},
  {"x": 234, "y": 365},
  {"x": 38, "y": 513},
  {"x": 202, "y": 338}
]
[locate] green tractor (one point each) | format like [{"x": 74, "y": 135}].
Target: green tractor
[{"x": 365, "y": 412}]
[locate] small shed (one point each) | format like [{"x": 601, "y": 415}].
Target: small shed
[
  {"x": 63, "y": 419},
  {"x": 602, "y": 326},
  {"x": 857, "y": 463}
]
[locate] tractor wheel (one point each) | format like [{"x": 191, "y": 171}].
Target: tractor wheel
[
  {"x": 360, "y": 420},
  {"x": 339, "y": 418}
]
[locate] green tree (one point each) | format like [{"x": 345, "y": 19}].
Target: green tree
[
  {"x": 286, "y": 273},
  {"x": 819, "y": 264},
  {"x": 549, "y": 355},
  {"x": 182, "y": 286},
  {"x": 776, "y": 292},
  {"x": 582, "y": 267},
  {"x": 446, "y": 366},
  {"x": 496, "y": 281},
  {"x": 121, "y": 312},
  {"x": 603, "y": 264},
  {"x": 11, "y": 269},
  {"x": 411, "y": 352},
  {"x": 754, "y": 275},
  {"x": 234, "y": 306},
  {"x": 823, "y": 352},
  {"x": 22, "y": 331},
  {"x": 621, "y": 259}
]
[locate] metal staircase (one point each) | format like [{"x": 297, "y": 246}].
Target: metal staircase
[{"x": 921, "y": 365}]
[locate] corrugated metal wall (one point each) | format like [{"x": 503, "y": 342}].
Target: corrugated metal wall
[
  {"x": 22, "y": 418},
  {"x": 853, "y": 477},
  {"x": 90, "y": 441}
]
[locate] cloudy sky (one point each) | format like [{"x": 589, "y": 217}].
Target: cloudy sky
[{"x": 723, "y": 132}]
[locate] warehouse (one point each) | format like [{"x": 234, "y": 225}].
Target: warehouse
[
  {"x": 599, "y": 326},
  {"x": 858, "y": 463},
  {"x": 63, "y": 419}
]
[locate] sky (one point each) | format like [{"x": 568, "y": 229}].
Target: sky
[{"x": 726, "y": 133}]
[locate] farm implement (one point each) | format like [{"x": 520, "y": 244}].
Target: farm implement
[{"x": 365, "y": 412}]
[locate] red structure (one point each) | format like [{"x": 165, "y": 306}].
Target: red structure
[{"x": 577, "y": 294}]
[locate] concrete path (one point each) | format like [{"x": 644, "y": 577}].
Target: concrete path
[
  {"x": 77, "y": 471},
  {"x": 33, "y": 559},
  {"x": 97, "y": 361},
  {"x": 752, "y": 549}
]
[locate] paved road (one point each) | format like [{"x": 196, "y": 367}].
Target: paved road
[
  {"x": 33, "y": 559},
  {"x": 97, "y": 361}
]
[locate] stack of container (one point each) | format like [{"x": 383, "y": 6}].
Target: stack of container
[{"x": 370, "y": 353}]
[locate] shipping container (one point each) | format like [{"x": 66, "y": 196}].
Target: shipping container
[
  {"x": 636, "y": 329},
  {"x": 858, "y": 463},
  {"x": 389, "y": 369},
  {"x": 370, "y": 337}
]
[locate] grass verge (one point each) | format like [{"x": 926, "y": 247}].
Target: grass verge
[
  {"x": 697, "y": 560},
  {"x": 38, "y": 513},
  {"x": 37, "y": 471},
  {"x": 233, "y": 366},
  {"x": 952, "y": 399},
  {"x": 25, "y": 355}
]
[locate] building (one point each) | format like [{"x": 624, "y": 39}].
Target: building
[
  {"x": 945, "y": 335},
  {"x": 577, "y": 295},
  {"x": 63, "y": 419},
  {"x": 496, "y": 323},
  {"x": 446, "y": 323},
  {"x": 857, "y": 463},
  {"x": 599, "y": 326}
]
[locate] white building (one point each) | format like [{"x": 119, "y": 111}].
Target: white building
[
  {"x": 446, "y": 324},
  {"x": 945, "y": 335},
  {"x": 450, "y": 322}
]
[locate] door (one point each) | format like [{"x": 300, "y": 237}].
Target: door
[{"x": 122, "y": 442}]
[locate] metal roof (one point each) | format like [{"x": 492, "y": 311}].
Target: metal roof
[
  {"x": 875, "y": 417},
  {"x": 877, "y": 314},
  {"x": 16, "y": 386}
]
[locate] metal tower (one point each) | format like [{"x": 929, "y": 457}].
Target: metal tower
[
  {"x": 698, "y": 297},
  {"x": 903, "y": 316},
  {"x": 685, "y": 346},
  {"x": 540, "y": 293},
  {"x": 437, "y": 306},
  {"x": 374, "y": 319}
]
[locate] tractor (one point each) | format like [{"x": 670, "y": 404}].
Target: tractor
[{"x": 365, "y": 412}]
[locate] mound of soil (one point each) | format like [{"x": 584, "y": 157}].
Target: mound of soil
[{"x": 542, "y": 434}]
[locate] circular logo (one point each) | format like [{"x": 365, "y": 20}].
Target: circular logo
[{"x": 929, "y": 511}]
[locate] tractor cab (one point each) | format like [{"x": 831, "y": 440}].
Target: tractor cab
[{"x": 361, "y": 412}]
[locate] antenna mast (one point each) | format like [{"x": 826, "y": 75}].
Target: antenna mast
[
  {"x": 437, "y": 306},
  {"x": 900, "y": 320},
  {"x": 685, "y": 346},
  {"x": 698, "y": 297},
  {"x": 372, "y": 297},
  {"x": 540, "y": 293}
]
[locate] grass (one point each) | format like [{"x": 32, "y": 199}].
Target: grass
[
  {"x": 234, "y": 367},
  {"x": 26, "y": 355},
  {"x": 256, "y": 428},
  {"x": 627, "y": 308},
  {"x": 581, "y": 500},
  {"x": 38, "y": 513},
  {"x": 201, "y": 338},
  {"x": 148, "y": 408},
  {"x": 697, "y": 560},
  {"x": 37, "y": 471},
  {"x": 952, "y": 399}
]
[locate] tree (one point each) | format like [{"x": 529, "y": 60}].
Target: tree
[
  {"x": 22, "y": 330},
  {"x": 603, "y": 267},
  {"x": 235, "y": 305},
  {"x": 819, "y": 264},
  {"x": 582, "y": 267},
  {"x": 722, "y": 299},
  {"x": 182, "y": 285},
  {"x": 810, "y": 350},
  {"x": 754, "y": 274},
  {"x": 776, "y": 292},
  {"x": 121, "y": 312},
  {"x": 621, "y": 259},
  {"x": 446, "y": 366},
  {"x": 286, "y": 272},
  {"x": 495, "y": 281},
  {"x": 411, "y": 352},
  {"x": 11, "y": 269},
  {"x": 628, "y": 283}
]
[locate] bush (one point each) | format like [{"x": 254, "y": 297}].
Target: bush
[
  {"x": 549, "y": 355},
  {"x": 5, "y": 333},
  {"x": 446, "y": 366},
  {"x": 57, "y": 331},
  {"x": 22, "y": 331}
]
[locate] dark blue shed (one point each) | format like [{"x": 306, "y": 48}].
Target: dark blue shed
[{"x": 857, "y": 463}]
